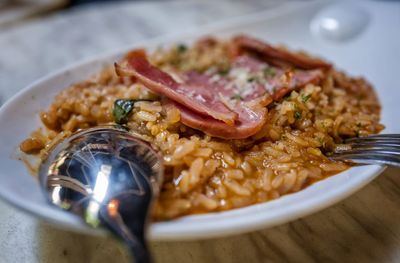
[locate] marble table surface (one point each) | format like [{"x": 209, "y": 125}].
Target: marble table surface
[{"x": 362, "y": 228}]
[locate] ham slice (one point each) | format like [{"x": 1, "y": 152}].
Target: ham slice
[
  {"x": 251, "y": 108},
  {"x": 275, "y": 56},
  {"x": 198, "y": 98},
  {"x": 249, "y": 122},
  {"x": 277, "y": 82},
  {"x": 229, "y": 106}
]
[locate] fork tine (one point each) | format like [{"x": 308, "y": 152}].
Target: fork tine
[
  {"x": 374, "y": 141},
  {"x": 378, "y": 146},
  {"x": 391, "y": 135},
  {"x": 374, "y": 144},
  {"x": 375, "y": 158},
  {"x": 381, "y": 138},
  {"x": 369, "y": 151},
  {"x": 384, "y": 135},
  {"x": 375, "y": 149}
]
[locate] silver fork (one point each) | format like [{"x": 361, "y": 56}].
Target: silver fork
[{"x": 374, "y": 149}]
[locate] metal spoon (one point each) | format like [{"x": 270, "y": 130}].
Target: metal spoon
[{"x": 109, "y": 178}]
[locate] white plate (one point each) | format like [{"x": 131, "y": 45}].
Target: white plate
[{"x": 290, "y": 25}]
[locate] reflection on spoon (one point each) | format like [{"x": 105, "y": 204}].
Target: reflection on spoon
[
  {"x": 340, "y": 22},
  {"x": 109, "y": 178}
]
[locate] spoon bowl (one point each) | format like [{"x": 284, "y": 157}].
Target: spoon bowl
[{"x": 109, "y": 178}]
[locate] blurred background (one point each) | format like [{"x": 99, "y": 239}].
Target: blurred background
[
  {"x": 40, "y": 36},
  {"x": 13, "y": 11}
]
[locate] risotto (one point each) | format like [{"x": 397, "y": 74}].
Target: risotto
[{"x": 210, "y": 169}]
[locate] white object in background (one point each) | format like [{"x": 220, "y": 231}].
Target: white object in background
[{"x": 340, "y": 22}]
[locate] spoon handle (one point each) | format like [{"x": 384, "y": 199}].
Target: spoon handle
[
  {"x": 139, "y": 251},
  {"x": 132, "y": 238}
]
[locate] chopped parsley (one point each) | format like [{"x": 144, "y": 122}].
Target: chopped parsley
[
  {"x": 269, "y": 72},
  {"x": 322, "y": 142},
  {"x": 122, "y": 109},
  {"x": 181, "y": 48},
  {"x": 297, "y": 115},
  {"x": 237, "y": 97},
  {"x": 224, "y": 71},
  {"x": 251, "y": 79},
  {"x": 305, "y": 98}
]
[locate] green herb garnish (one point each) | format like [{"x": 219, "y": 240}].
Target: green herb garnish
[
  {"x": 305, "y": 98},
  {"x": 322, "y": 142},
  {"x": 237, "y": 97},
  {"x": 297, "y": 115},
  {"x": 181, "y": 48},
  {"x": 287, "y": 98},
  {"x": 251, "y": 79},
  {"x": 122, "y": 109},
  {"x": 269, "y": 72},
  {"x": 224, "y": 71}
]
